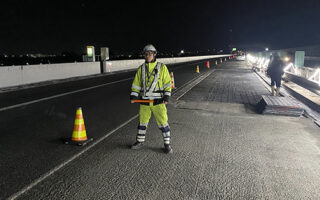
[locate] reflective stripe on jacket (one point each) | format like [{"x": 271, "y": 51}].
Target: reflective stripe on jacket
[{"x": 152, "y": 81}]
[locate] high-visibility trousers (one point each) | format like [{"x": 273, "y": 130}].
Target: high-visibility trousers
[{"x": 160, "y": 113}]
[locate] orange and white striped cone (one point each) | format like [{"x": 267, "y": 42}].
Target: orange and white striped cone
[
  {"x": 79, "y": 134},
  {"x": 172, "y": 81}
]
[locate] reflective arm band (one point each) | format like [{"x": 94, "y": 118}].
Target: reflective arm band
[
  {"x": 134, "y": 94},
  {"x": 136, "y": 87},
  {"x": 166, "y": 86},
  {"x": 167, "y": 93}
]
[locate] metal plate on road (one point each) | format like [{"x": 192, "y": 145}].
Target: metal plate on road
[{"x": 279, "y": 106}]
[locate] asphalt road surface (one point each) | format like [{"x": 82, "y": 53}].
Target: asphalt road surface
[
  {"x": 223, "y": 149},
  {"x": 35, "y": 121}
]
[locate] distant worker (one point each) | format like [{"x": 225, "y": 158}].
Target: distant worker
[
  {"x": 152, "y": 82},
  {"x": 275, "y": 71}
]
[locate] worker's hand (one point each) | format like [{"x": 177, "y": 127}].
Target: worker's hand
[
  {"x": 165, "y": 99},
  {"x": 132, "y": 101}
]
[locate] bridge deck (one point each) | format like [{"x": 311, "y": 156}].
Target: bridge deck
[{"x": 223, "y": 149}]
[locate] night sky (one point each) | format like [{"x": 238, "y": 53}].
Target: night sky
[{"x": 124, "y": 26}]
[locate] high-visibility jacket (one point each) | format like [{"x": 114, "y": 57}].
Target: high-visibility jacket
[{"x": 152, "y": 82}]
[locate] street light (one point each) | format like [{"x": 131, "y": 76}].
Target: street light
[{"x": 267, "y": 49}]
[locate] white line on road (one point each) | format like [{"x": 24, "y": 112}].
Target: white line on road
[
  {"x": 194, "y": 82},
  {"x": 60, "y": 95},
  {"x": 46, "y": 175}
]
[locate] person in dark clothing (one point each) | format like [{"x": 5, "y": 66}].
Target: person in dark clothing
[{"x": 275, "y": 71}]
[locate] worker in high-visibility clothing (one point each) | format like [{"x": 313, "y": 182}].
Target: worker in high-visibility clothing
[{"x": 152, "y": 82}]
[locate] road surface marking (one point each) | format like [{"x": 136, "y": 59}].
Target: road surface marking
[{"x": 60, "y": 95}]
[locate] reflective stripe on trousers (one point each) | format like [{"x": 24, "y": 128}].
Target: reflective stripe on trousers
[
  {"x": 160, "y": 113},
  {"x": 166, "y": 133},
  {"x": 142, "y": 129}
]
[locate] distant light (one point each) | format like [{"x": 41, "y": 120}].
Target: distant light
[
  {"x": 251, "y": 58},
  {"x": 267, "y": 49},
  {"x": 287, "y": 59},
  {"x": 182, "y": 51},
  {"x": 90, "y": 51},
  {"x": 234, "y": 49}
]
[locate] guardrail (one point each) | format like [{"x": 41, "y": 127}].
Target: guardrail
[
  {"x": 310, "y": 74},
  {"x": 117, "y": 65}
]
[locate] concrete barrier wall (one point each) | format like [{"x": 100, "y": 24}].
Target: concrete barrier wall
[
  {"x": 10, "y": 76},
  {"x": 118, "y": 65},
  {"x": 20, "y": 75}
]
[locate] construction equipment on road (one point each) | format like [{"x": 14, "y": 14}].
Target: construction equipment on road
[{"x": 279, "y": 106}]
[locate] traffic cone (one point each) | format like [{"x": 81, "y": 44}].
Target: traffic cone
[
  {"x": 208, "y": 64},
  {"x": 220, "y": 60},
  {"x": 216, "y": 62},
  {"x": 198, "y": 71},
  {"x": 172, "y": 81},
  {"x": 79, "y": 130},
  {"x": 225, "y": 59},
  {"x": 79, "y": 134}
]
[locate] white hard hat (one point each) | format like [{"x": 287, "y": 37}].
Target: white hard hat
[{"x": 149, "y": 47}]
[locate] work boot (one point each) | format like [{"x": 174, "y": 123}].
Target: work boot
[
  {"x": 137, "y": 145},
  {"x": 272, "y": 91},
  {"x": 278, "y": 92},
  {"x": 168, "y": 149}
]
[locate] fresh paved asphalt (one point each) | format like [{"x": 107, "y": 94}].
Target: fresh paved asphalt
[
  {"x": 223, "y": 149},
  {"x": 32, "y": 135}
]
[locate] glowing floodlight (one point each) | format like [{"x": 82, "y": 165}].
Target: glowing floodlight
[
  {"x": 90, "y": 54},
  {"x": 286, "y": 59}
]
